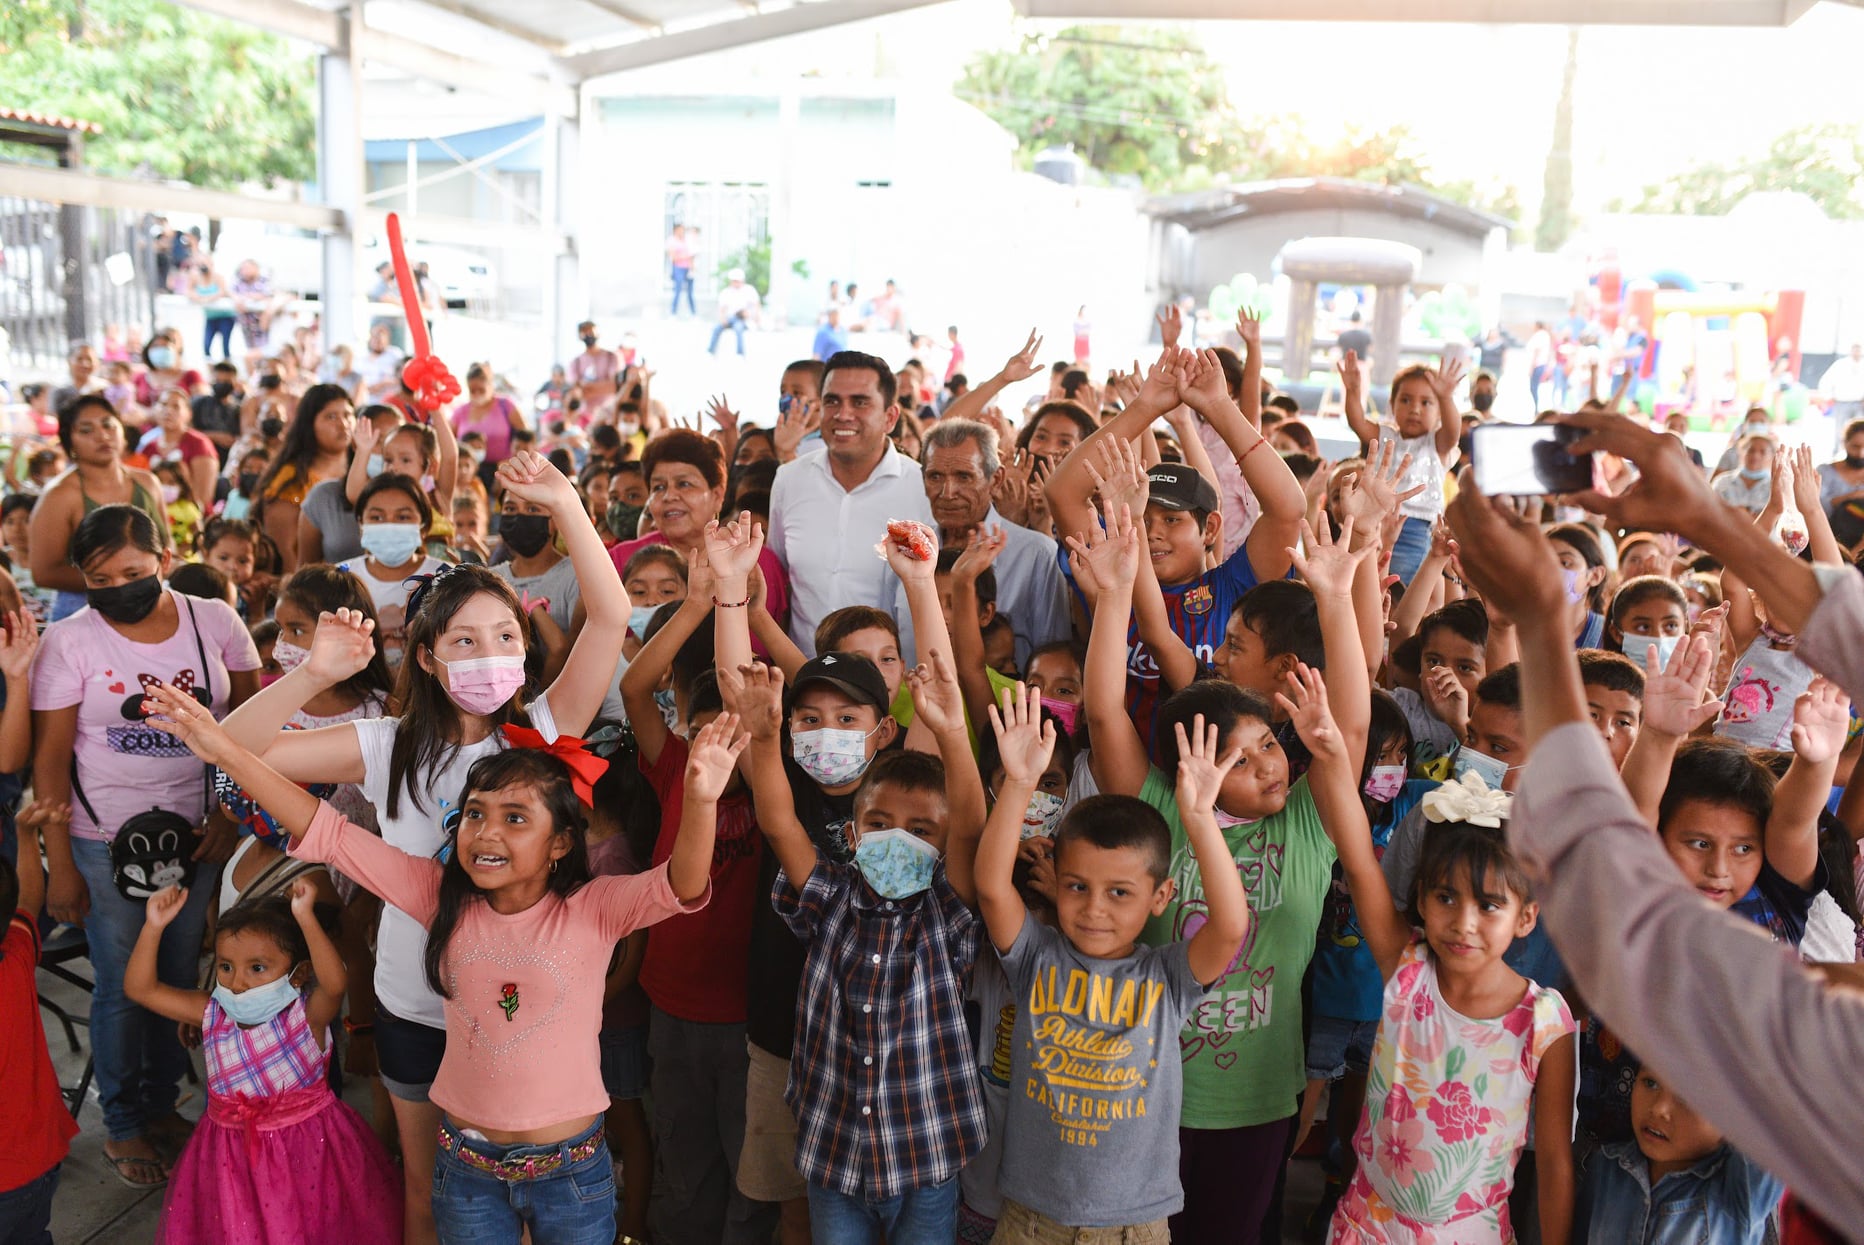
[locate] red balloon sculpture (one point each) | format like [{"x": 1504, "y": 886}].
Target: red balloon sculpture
[{"x": 426, "y": 376}]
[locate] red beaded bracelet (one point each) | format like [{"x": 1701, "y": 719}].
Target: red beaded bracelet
[{"x": 731, "y": 605}]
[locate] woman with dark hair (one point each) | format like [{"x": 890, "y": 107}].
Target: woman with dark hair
[
  {"x": 96, "y": 753},
  {"x": 1055, "y": 429},
  {"x": 162, "y": 360},
  {"x": 463, "y": 678},
  {"x": 316, "y": 448},
  {"x": 91, "y": 433}
]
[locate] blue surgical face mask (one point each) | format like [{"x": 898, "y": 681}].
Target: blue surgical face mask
[
  {"x": 669, "y": 708},
  {"x": 831, "y": 757},
  {"x": 1491, "y": 770},
  {"x": 375, "y": 466},
  {"x": 1637, "y": 647},
  {"x": 161, "y": 357},
  {"x": 1755, "y": 476},
  {"x": 638, "y": 618},
  {"x": 391, "y": 544},
  {"x": 259, "y": 1004},
  {"x": 896, "y": 863}
]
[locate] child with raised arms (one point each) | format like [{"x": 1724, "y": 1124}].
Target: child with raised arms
[
  {"x": 519, "y": 940},
  {"x": 1091, "y": 1136}
]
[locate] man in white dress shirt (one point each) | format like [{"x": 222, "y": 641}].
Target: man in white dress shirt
[
  {"x": 829, "y": 508},
  {"x": 959, "y": 463}
]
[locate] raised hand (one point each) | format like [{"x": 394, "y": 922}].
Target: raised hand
[
  {"x": 803, "y": 418},
  {"x": 1200, "y": 382},
  {"x": 701, "y": 579},
  {"x": 1009, "y": 488},
  {"x": 1249, "y": 328},
  {"x": 529, "y": 476},
  {"x": 1025, "y": 742},
  {"x": 342, "y": 647},
  {"x": 1673, "y": 693},
  {"x": 1123, "y": 387},
  {"x": 715, "y": 752},
  {"x": 18, "y": 643},
  {"x": 911, "y": 569},
  {"x": 1121, "y": 478},
  {"x": 164, "y": 906},
  {"x": 1821, "y": 719},
  {"x": 1108, "y": 558},
  {"x": 1305, "y": 702},
  {"x": 177, "y": 713},
  {"x": 1446, "y": 697},
  {"x": 1444, "y": 379},
  {"x": 723, "y": 415},
  {"x": 1506, "y": 555},
  {"x": 362, "y": 436},
  {"x": 1805, "y": 480},
  {"x": 1171, "y": 326},
  {"x": 1327, "y": 564},
  {"x": 1160, "y": 387},
  {"x": 937, "y": 698},
  {"x": 981, "y": 554},
  {"x": 303, "y": 900},
  {"x": 1023, "y": 364},
  {"x": 1350, "y": 375},
  {"x": 757, "y": 691},
  {"x": 1373, "y": 493},
  {"x": 732, "y": 548},
  {"x": 1038, "y": 852},
  {"x": 1202, "y": 765}
]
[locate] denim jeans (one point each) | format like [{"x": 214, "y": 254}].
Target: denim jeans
[
  {"x": 926, "y": 1216},
  {"x": 26, "y": 1212},
  {"x": 1410, "y": 549},
  {"x": 736, "y": 325},
  {"x": 221, "y": 327},
  {"x": 683, "y": 281},
  {"x": 573, "y": 1205},
  {"x": 140, "y": 1061}
]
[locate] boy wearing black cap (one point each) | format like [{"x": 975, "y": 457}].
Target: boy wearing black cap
[{"x": 1182, "y": 514}]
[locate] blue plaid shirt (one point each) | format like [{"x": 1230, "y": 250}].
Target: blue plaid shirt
[{"x": 883, "y": 1080}]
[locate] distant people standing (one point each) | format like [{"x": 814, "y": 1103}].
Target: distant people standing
[
  {"x": 252, "y": 299},
  {"x": 208, "y": 292},
  {"x": 956, "y": 363},
  {"x": 595, "y": 370},
  {"x": 1082, "y": 327},
  {"x": 1540, "y": 360},
  {"x": 738, "y": 305},
  {"x": 831, "y": 338},
  {"x": 680, "y": 253},
  {"x": 1356, "y": 338},
  {"x": 1843, "y": 387}
]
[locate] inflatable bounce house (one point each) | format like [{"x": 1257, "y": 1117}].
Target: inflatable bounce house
[{"x": 1712, "y": 354}]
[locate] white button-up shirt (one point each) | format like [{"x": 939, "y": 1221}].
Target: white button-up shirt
[
  {"x": 1031, "y": 593},
  {"x": 825, "y": 535}
]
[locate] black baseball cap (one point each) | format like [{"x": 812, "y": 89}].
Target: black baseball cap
[
  {"x": 1178, "y": 487},
  {"x": 847, "y": 672}
]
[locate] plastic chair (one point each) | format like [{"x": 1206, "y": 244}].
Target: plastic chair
[{"x": 63, "y": 945}]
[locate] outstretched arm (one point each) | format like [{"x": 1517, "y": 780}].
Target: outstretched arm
[
  {"x": 327, "y": 968},
  {"x": 178, "y": 714},
  {"x": 715, "y": 752},
  {"x": 967, "y": 638},
  {"x": 755, "y": 693},
  {"x": 1119, "y": 759},
  {"x": 1331, "y": 569},
  {"x": 1070, "y": 489},
  {"x": 1024, "y": 743},
  {"x": 1021, "y": 366},
  {"x": 1353, "y": 379},
  {"x": 1820, "y": 718},
  {"x": 941, "y": 708},
  {"x": 140, "y": 984},
  {"x": 1200, "y": 385},
  {"x": 1121, "y": 481},
  {"x": 1443, "y": 383},
  {"x": 1201, "y": 766}
]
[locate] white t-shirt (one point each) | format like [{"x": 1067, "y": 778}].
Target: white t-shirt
[
  {"x": 737, "y": 300},
  {"x": 379, "y": 369},
  {"x": 1426, "y": 468},
  {"x": 418, "y": 828}
]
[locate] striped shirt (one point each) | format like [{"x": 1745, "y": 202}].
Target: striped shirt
[
  {"x": 882, "y": 1082},
  {"x": 264, "y": 1061}
]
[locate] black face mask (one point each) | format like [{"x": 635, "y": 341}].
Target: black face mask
[
  {"x": 589, "y": 340},
  {"x": 128, "y": 603},
  {"x": 1854, "y": 462},
  {"x": 527, "y": 534},
  {"x": 248, "y": 481},
  {"x": 223, "y": 389},
  {"x": 623, "y": 519},
  {"x": 1482, "y": 401},
  {"x": 272, "y": 428}
]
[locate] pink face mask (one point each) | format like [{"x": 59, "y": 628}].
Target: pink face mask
[
  {"x": 1068, "y": 714},
  {"x": 1385, "y": 783},
  {"x": 288, "y": 655},
  {"x": 482, "y": 685}
]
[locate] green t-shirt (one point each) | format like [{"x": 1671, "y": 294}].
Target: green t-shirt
[{"x": 1241, "y": 1045}]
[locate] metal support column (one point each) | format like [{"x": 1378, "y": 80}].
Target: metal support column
[
  {"x": 340, "y": 178},
  {"x": 566, "y": 299},
  {"x": 71, "y": 250},
  {"x": 781, "y": 296}
]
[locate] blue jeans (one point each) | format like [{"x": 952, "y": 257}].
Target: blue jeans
[
  {"x": 26, "y": 1212},
  {"x": 1409, "y": 550},
  {"x": 736, "y": 325},
  {"x": 573, "y": 1205},
  {"x": 683, "y": 281},
  {"x": 926, "y": 1216},
  {"x": 140, "y": 1061},
  {"x": 221, "y": 327}
]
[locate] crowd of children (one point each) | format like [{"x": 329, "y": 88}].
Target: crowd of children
[{"x": 491, "y": 770}]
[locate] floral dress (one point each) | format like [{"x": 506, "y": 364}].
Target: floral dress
[{"x": 1447, "y": 1110}]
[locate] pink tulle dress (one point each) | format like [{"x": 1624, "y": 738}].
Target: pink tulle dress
[{"x": 278, "y": 1157}]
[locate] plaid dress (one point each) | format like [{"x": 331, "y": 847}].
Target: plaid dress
[{"x": 883, "y": 1082}]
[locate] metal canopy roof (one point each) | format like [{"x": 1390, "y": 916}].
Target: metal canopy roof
[
  {"x": 1537, "y": 12},
  {"x": 1202, "y": 209}
]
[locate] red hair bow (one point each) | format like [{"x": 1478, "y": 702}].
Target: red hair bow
[{"x": 585, "y": 766}]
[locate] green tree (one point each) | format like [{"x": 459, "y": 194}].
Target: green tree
[
  {"x": 179, "y": 94},
  {"x": 1823, "y": 162},
  {"x": 1556, "y": 198},
  {"x": 1141, "y": 101}
]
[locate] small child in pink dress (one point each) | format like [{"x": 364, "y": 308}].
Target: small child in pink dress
[{"x": 277, "y": 1157}]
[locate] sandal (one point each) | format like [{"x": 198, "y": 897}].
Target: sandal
[
  {"x": 169, "y": 1136},
  {"x": 120, "y": 1163}
]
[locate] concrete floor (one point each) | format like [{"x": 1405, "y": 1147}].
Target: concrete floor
[{"x": 93, "y": 1206}]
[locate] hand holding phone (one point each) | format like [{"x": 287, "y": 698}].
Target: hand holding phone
[{"x": 1527, "y": 460}]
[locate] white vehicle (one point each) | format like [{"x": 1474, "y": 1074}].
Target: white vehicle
[{"x": 293, "y": 258}]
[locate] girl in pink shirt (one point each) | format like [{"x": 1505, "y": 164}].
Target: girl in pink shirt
[{"x": 519, "y": 935}]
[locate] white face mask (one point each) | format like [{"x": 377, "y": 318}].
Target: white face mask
[
  {"x": 1042, "y": 814},
  {"x": 1637, "y": 648}
]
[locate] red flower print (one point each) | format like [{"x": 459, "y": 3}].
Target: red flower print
[
  {"x": 1455, "y": 1113},
  {"x": 1398, "y": 1106},
  {"x": 1520, "y": 1019},
  {"x": 1422, "y": 1008}
]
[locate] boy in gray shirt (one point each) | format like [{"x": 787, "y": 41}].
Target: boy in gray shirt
[{"x": 1091, "y": 1136}]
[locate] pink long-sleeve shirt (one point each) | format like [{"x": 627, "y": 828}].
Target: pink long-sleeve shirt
[{"x": 525, "y": 1003}]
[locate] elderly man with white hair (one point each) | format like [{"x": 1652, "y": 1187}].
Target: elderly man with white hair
[{"x": 958, "y": 464}]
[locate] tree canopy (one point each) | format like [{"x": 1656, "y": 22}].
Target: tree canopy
[
  {"x": 1823, "y": 162},
  {"x": 179, "y": 94}
]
